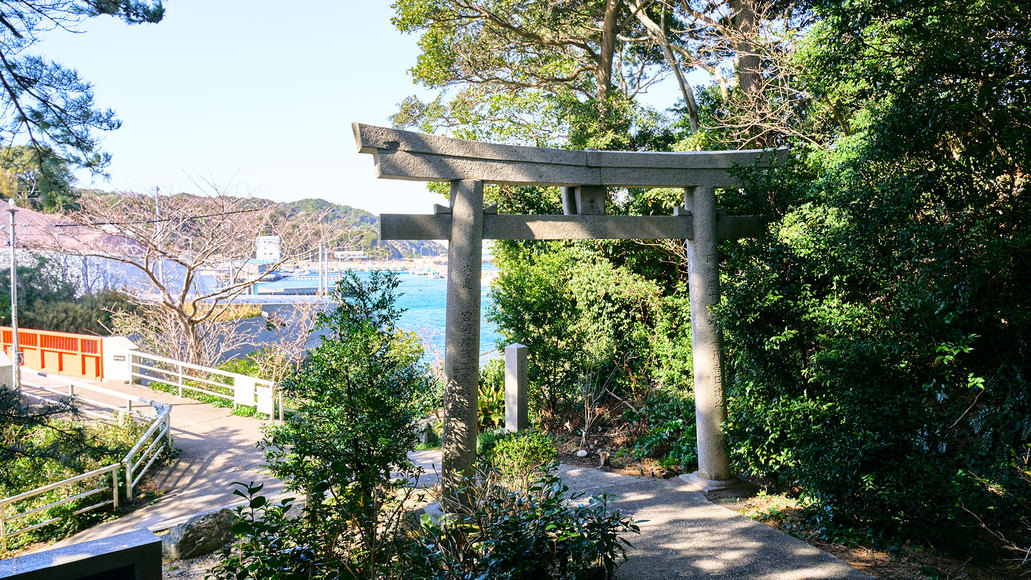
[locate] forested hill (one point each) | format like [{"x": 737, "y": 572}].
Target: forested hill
[
  {"x": 358, "y": 230},
  {"x": 352, "y": 228}
]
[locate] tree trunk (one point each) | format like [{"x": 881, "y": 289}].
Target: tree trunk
[
  {"x": 194, "y": 348},
  {"x": 603, "y": 72},
  {"x": 747, "y": 60},
  {"x": 658, "y": 35}
]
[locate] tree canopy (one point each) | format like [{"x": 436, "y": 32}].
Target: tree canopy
[
  {"x": 37, "y": 179},
  {"x": 44, "y": 102}
]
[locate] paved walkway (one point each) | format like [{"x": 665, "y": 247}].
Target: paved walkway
[
  {"x": 217, "y": 448},
  {"x": 683, "y": 535}
]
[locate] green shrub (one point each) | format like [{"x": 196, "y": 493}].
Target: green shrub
[
  {"x": 533, "y": 533},
  {"x": 429, "y": 400},
  {"x": 520, "y": 457},
  {"x": 670, "y": 434},
  {"x": 486, "y": 441},
  {"x": 266, "y": 544},
  {"x": 346, "y": 447},
  {"x": 37, "y": 449},
  {"x": 580, "y": 313}
]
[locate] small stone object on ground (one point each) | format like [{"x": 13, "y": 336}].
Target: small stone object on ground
[
  {"x": 426, "y": 433},
  {"x": 199, "y": 535},
  {"x": 581, "y": 453},
  {"x": 433, "y": 510}
]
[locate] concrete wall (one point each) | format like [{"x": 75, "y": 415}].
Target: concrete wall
[
  {"x": 117, "y": 359},
  {"x": 6, "y": 371},
  {"x": 132, "y": 556}
]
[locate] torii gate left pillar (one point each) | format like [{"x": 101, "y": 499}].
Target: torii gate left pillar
[
  {"x": 462, "y": 333},
  {"x": 584, "y": 175}
]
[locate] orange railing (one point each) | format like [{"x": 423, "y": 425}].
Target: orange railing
[{"x": 76, "y": 355}]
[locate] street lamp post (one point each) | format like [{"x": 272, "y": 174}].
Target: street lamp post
[{"x": 16, "y": 358}]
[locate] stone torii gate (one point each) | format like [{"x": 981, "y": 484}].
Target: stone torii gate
[{"x": 584, "y": 177}]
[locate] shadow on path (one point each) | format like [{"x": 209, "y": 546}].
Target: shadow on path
[{"x": 683, "y": 535}]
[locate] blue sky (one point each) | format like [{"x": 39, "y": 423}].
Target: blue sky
[{"x": 255, "y": 97}]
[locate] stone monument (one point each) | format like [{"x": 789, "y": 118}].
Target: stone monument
[{"x": 585, "y": 177}]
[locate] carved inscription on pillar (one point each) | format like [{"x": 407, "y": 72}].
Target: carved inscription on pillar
[
  {"x": 462, "y": 334},
  {"x": 704, "y": 285}
]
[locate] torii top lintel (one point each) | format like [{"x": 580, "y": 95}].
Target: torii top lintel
[{"x": 423, "y": 157}]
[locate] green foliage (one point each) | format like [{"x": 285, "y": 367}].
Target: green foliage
[
  {"x": 540, "y": 73},
  {"x": 670, "y": 435},
  {"x": 39, "y": 445},
  {"x": 491, "y": 395},
  {"x": 520, "y": 457},
  {"x": 580, "y": 316},
  {"x": 241, "y": 365},
  {"x": 875, "y": 329},
  {"x": 486, "y": 440},
  {"x": 265, "y": 546},
  {"x": 354, "y": 425},
  {"x": 38, "y": 179},
  {"x": 48, "y": 299},
  {"x": 538, "y": 532}
]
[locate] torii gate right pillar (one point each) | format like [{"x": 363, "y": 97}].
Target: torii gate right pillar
[{"x": 704, "y": 288}]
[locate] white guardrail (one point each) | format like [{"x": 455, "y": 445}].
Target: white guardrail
[
  {"x": 242, "y": 390},
  {"x": 139, "y": 459}
]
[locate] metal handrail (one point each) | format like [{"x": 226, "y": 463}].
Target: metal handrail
[
  {"x": 160, "y": 428},
  {"x": 4, "y": 502},
  {"x": 179, "y": 376}
]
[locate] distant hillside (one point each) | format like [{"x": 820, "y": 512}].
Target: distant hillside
[{"x": 359, "y": 230}]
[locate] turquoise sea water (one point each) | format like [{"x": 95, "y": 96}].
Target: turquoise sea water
[{"x": 424, "y": 300}]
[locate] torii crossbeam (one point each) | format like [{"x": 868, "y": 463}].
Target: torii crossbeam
[{"x": 584, "y": 177}]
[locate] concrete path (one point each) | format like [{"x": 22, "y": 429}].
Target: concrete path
[
  {"x": 683, "y": 535},
  {"x": 217, "y": 448}
]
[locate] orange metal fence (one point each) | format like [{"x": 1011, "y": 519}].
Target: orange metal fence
[{"x": 76, "y": 355}]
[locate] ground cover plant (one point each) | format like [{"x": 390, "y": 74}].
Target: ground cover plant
[{"x": 535, "y": 530}]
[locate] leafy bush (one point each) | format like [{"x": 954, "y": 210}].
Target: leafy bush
[
  {"x": 579, "y": 313},
  {"x": 519, "y": 457},
  {"x": 430, "y": 400},
  {"x": 670, "y": 434},
  {"x": 879, "y": 327},
  {"x": 491, "y": 395},
  {"x": 486, "y": 441},
  {"x": 266, "y": 541},
  {"x": 537, "y": 532},
  {"x": 38, "y": 448},
  {"x": 353, "y": 427}
]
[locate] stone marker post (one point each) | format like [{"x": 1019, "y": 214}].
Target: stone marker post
[
  {"x": 462, "y": 334},
  {"x": 516, "y": 409}
]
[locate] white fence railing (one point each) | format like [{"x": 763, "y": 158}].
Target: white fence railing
[
  {"x": 145, "y": 369},
  {"x": 139, "y": 459}
]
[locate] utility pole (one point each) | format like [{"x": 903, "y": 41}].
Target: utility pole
[
  {"x": 322, "y": 288},
  {"x": 161, "y": 262},
  {"x": 16, "y": 359}
]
